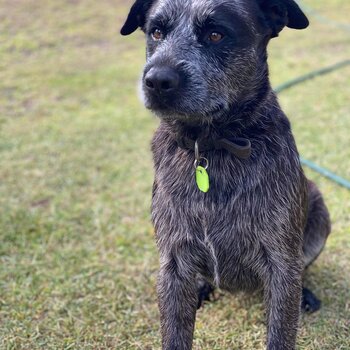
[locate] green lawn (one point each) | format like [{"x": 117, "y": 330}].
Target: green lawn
[{"x": 78, "y": 262}]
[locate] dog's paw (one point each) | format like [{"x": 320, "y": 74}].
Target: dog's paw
[
  {"x": 205, "y": 290},
  {"x": 309, "y": 302}
]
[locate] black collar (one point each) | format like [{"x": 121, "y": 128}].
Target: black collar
[{"x": 239, "y": 147}]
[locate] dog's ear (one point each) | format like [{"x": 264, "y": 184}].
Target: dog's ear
[
  {"x": 137, "y": 16},
  {"x": 281, "y": 13}
]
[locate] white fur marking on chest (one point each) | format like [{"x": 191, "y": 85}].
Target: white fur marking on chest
[{"x": 210, "y": 246}]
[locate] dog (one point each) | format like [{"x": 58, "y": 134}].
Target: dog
[{"x": 231, "y": 206}]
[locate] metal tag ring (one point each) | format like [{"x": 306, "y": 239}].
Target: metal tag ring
[{"x": 197, "y": 162}]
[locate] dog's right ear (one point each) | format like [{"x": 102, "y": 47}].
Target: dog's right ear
[{"x": 137, "y": 16}]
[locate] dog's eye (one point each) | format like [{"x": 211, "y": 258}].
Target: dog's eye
[
  {"x": 215, "y": 37},
  {"x": 157, "y": 35}
]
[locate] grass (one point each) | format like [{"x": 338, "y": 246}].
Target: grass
[{"x": 78, "y": 261}]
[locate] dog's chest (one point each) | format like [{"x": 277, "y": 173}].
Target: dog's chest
[
  {"x": 231, "y": 244},
  {"x": 225, "y": 229},
  {"x": 219, "y": 238},
  {"x": 217, "y": 224}
]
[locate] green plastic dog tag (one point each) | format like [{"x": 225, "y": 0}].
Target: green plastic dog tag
[{"x": 202, "y": 179}]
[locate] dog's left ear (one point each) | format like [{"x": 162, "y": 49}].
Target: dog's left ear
[
  {"x": 137, "y": 16},
  {"x": 281, "y": 13}
]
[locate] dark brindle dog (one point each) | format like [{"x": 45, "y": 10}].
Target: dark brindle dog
[{"x": 261, "y": 223}]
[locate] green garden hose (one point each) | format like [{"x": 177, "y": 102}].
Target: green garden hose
[
  {"x": 312, "y": 75},
  {"x": 330, "y": 175},
  {"x": 326, "y": 173}
]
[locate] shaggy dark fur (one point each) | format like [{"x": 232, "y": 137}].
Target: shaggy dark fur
[{"x": 262, "y": 222}]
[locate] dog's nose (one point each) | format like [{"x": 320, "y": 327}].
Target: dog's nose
[{"x": 162, "y": 80}]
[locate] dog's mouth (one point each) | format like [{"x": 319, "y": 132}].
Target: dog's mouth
[
  {"x": 170, "y": 112},
  {"x": 159, "y": 104},
  {"x": 174, "y": 107}
]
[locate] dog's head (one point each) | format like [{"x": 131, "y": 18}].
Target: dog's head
[{"x": 204, "y": 55}]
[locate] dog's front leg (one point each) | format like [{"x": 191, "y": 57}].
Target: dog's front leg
[
  {"x": 177, "y": 296},
  {"x": 283, "y": 298}
]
